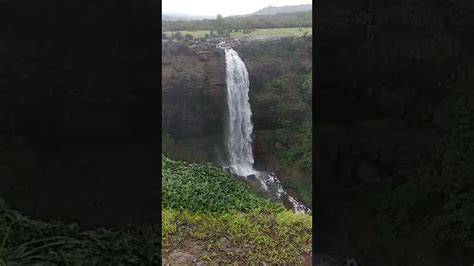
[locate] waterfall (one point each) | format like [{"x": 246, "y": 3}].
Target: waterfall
[
  {"x": 239, "y": 127},
  {"x": 238, "y": 131}
]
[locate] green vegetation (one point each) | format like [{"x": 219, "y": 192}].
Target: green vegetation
[
  {"x": 188, "y": 36},
  {"x": 25, "y": 241},
  {"x": 437, "y": 201},
  {"x": 300, "y": 152},
  {"x": 291, "y": 96},
  {"x": 447, "y": 182},
  {"x": 265, "y": 231},
  {"x": 304, "y": 187},
  {"x": 230, "y": 24},
  {"x": 252, "y": 237},
  {"x": 307, "y": 87},
  {"x": 274, "y": 32},
  {"x": 206, "y": 206},
  {"x": 205, "y": 188}
]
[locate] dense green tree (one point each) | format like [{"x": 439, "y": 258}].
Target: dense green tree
[
  {"x": 188, "y": 37},
  {"x": 178, "y": 36},
  {"x": 220, "y": 25}
]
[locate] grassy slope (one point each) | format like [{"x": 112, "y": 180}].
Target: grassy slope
[
  {"x": 276, "y": 32},
  {"x": 229, "y": 224}
]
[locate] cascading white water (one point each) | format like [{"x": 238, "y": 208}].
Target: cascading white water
[{"x": 239, "y": 128}]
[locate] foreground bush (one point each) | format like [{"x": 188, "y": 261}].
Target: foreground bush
[
  {"x": 205, "y": 188},
  {"x": 26, "y": 241}
]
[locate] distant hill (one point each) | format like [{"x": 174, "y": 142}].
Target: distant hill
[
  {"x": 272, "y": 10},
  {"x": 176, "y": 17}
]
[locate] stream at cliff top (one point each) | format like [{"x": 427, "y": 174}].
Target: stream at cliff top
[{"x": 238, "y": 134}]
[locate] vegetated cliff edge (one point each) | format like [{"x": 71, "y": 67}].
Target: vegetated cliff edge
[{"x": 194, "y": 105}]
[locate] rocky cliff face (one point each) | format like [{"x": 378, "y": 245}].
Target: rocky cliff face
[
  {"x": 194, "y": 86},
  {"x": 193, "y": 90},
  {"x": 193, "y": 81}
]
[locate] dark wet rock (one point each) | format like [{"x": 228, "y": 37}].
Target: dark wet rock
[
  {"x": 193, "y": 83},
  {"x": 203, "y": 57},
  {"x": 185, "y": 50}
]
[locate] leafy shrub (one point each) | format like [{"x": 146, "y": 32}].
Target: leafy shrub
[
  {"x": 205, "y": 188},
  {"x": 301, "y": 152},
  {"x": 307, "y": 87},
  {"x": 178, "y": 36},
  {"x": 24, "y": 241},
  {"x": 188, "y": 37}
]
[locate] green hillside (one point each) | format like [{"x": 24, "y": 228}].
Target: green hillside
[{"x": 207, "y": 210}]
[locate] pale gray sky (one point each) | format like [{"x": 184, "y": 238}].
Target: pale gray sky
[{"x": 224, "y": 7}]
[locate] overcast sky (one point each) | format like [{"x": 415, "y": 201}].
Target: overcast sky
[{"x": 224, "y": 7}]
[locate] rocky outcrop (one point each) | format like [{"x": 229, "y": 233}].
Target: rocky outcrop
[{"x": 193, "y": 90}]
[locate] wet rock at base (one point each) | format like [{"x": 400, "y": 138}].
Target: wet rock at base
[{"x": 251, "y": 177}]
